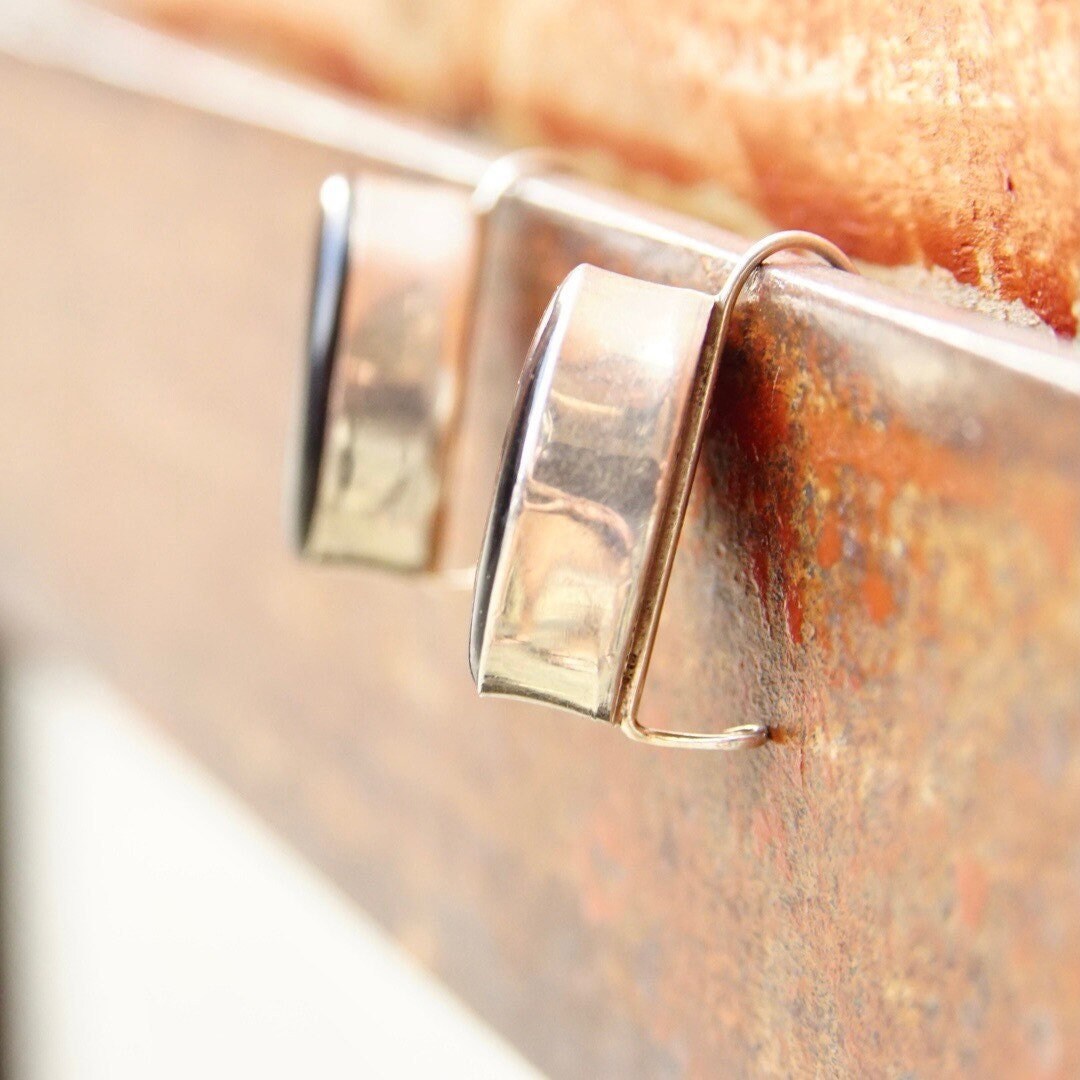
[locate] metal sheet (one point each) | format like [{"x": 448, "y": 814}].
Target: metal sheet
[{"x": 881, "y": 559}]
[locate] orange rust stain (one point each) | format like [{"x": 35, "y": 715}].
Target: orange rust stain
[
  {"x": 756, "y": 415},
  {"x": 895, "y": 457},
  {"x": 878, "y": 597},
  {"x": 900, "y": 456},
  {"x": 793, "y": 609},
  {"x": 882, "y": 218},
  {"x": 829, "y": 546},
  {"x": 972, "y": 891},
  {"x": 1056, "y": 519},
  {"x": 901, "y": 215},
  {"x": 770, "y": 452}
]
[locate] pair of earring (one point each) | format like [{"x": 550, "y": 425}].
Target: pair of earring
[{"x": 599, "y": 454}]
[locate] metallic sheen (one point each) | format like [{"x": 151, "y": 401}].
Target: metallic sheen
[
  {"x": 588, "y": 461},
  {"x": 384, "y": 371},
  {"x": 597, "y": 469}
]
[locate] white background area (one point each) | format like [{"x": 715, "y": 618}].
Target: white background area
[{"x": 155, "y": 929}]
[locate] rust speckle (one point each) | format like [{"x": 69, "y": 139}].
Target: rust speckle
[
  {"x": 829, "y": 546},
  {"x": 753, "y": 412},
  {"x": 972, "y": 890},
  {"x": 793, "y": 609},
  {"x": 878, "y": 597}
]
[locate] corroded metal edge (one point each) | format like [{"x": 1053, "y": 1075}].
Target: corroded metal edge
[{"x": 70, "y": 36}]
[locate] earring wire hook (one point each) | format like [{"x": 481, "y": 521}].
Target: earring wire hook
[{"x": 743, "y": 736}]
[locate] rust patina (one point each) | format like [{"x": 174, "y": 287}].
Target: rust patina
[{"x": 881, "y": 559}]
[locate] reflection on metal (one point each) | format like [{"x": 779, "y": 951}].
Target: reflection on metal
[
  {"x": 398, "y": 270},
  {"x": 592, "y": 491},
  {"x": 385, "y": 360},
  {"x": 589, "y": 460}
]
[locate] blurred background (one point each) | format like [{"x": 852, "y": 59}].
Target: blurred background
[
  {"x": 154, "y": 927},
  {"x": 255, "y": 820}
]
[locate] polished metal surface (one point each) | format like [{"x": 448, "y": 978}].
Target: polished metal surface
[
  {"x": 398, "y": 273},
  {"x": 385, "y": 364},
  {"x": 596, "y": 474},
  {"x": 588, "y": 463}
]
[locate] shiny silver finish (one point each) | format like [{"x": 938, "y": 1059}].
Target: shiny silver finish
[
  {"x": 596, "y": 475},
  {"x": 384, "y": 370},
  {"x": 588, "y": 464},
  {"x": 398, "y": 271}
]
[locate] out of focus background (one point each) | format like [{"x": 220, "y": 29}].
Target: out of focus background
[
  {"x": 154, "y": 927},
  {"x": 256, "y": 821}
]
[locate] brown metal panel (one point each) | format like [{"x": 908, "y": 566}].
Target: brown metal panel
[{"x": 881, "y": 559}]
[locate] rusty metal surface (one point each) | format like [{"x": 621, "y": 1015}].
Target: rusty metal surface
[
  {"x": 941, "y": 134},
  {"x": 882, "y": 558}
]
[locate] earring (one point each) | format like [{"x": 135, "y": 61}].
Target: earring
[
  {"x": 596, "y": 473},
  {"x": 398, "y": 266}
]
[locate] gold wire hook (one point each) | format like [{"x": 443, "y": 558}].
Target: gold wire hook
[{"x": 744, "y": 736}]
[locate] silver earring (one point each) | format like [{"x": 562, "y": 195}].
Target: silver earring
[
  {"x": 398, "y": 265},
  {"x": 596, "y": 473}
]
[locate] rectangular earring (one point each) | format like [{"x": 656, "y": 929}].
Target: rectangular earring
[
  {"x": 384, "y": 364},
  {"x": 397, "y": 272},
  {"x": 596, "y": 473}
]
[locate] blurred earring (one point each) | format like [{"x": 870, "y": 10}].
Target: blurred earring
[
  {"x": 595, "y": 478},
  {"x": 397, "y": 269}
]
